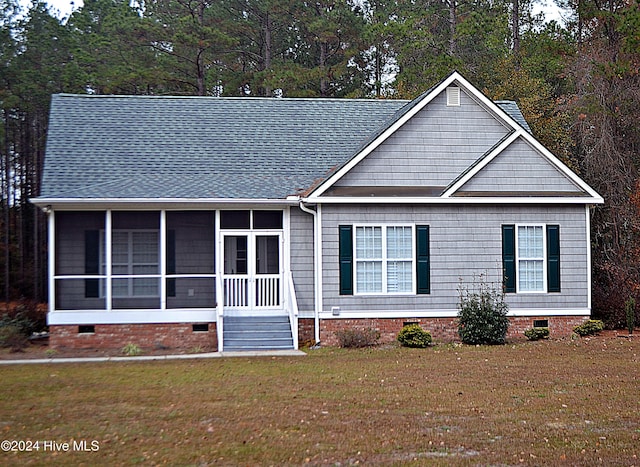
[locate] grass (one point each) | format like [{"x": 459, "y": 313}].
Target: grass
[{"x": 571, "y": 402}]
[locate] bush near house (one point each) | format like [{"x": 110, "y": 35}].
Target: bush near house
[
  {"x": 535, "y": 334},
  {"x": 588, "y": 328},
  {"x": 482, "y": 314},
  {"x": 412, "y": 335}
]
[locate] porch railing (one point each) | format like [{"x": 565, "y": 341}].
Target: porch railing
[{"x": 267, "y": 289}]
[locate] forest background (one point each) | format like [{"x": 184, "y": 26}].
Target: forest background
[{"x": 577, "y": 83}]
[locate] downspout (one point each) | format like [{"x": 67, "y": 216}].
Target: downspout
[{"x": 317, "y": 270}]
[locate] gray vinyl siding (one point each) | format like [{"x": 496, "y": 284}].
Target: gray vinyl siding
[
  {"x": 520, "y": 168},
  {"x": 465, "y": 242},
  {"x": 301, "y": 225},
  {"x": 432, "y": 148}
]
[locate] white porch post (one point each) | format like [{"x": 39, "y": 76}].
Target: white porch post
[
  {"x": 52, "y": 259},
  {"x": 163, "y": 260},
  {"x": 107, "y": 260},
  {"x": 219, "y": 266}
]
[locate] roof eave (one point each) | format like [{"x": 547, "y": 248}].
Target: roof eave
[{"x": 155, "y": 203}]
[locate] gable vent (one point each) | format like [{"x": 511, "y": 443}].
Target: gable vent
[{"x": 453, "y": 96}]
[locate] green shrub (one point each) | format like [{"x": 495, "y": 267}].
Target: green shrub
[
  {"x": 535, "y": 334},
  {"x": 588, "y": 328},
  {"x": 630, "y": 312},
  {"x": 412, "y": 335},
  {"x": 355, "y": 338},
  {"x": 482, "y": 315},
  {"x": 131, "y": 349},
  {"x": 12, "y": 337}
]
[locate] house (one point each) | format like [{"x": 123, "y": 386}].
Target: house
[{"x": 235, "y": 223}]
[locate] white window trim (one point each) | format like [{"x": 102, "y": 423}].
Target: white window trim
[
  {"x": 544, "y": 259},
  {"x": 384, "y": 260}
]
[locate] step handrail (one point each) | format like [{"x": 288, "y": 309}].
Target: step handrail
[{"x": 291, "y": 304}]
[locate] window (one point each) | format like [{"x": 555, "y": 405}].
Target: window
[
  {"x": 384, "y": 259},
  {"x": 134, "y": 253},
  {"x": 531, "y": 258},
  {"x": 530, "y": 248}
]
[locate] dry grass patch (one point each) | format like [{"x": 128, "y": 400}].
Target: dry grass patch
[{"x": 551, "y": 402}]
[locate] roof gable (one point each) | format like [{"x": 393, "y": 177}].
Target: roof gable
[
  {"x": 519, "y": 170},
  {"x": 431, "y": 149},
  {"x": 373, "y": 170}
]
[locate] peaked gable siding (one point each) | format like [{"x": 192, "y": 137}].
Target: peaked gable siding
[
  {"x": 520, "y": 170},
  {"x": 432, "y": 148}
]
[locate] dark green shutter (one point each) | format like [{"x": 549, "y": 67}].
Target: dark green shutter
[
  {"x": 553, "y": 258},
  {"x": 345, "y": 254},
  {"x": 509, "y": 258},
  {"x": 423, "y": 269},
  {"x": 171, "y": 262},
  {"x": 92, "y": 262}
]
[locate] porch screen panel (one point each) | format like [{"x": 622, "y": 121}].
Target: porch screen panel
[
  {"x": 135, "y": 260},
  {"x": 78, "y": 253},
  {"x": 191, "y": 255}
]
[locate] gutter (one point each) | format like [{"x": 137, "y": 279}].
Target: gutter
[{"x": 317, "y": 270}]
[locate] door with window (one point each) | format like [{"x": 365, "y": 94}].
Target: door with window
[{"x": 252, "y": 271}]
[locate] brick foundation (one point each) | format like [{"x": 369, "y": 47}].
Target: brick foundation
[
  {"x": 148, "y": 337},
  {"x": 306, "y": 331},
  {"x": 441, "y": 329}
]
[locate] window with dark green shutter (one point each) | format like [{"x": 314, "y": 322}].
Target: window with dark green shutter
[
  {"x": 525, "y": 260},
  {"x": 509, "y": 258},
  {"x": 423, "y": 268},
  {"x": 345, "y": 254},
  {"x": 553, "y": 258}
]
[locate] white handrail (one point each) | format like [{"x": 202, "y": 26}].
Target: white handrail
[
  {"x": 219, "y": 313},
  {"x": 292, "y": 306}
]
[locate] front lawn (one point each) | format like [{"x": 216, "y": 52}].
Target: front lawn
[{"x": 569, "y": 402}]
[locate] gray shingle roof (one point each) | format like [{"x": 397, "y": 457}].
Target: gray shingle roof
[{"x": 188, "y": 147}]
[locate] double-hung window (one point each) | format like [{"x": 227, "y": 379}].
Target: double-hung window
[
  {"x": 530, "y": 251},
  {"x": 531, "y": 258},
  {"x": 384, "y": 259}
]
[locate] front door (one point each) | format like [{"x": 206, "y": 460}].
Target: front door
[{"x": 252, "y": 272}]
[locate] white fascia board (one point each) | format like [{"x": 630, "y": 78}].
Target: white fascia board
[
  {"x": 455, "y": 200},
  {"x": 450, "y": 313},
  {"x": 155, "y": 203},
  {"x": 562, "y": 167},
  {"x": 455, "y": 76},
  {"x": 70, "y": 318},
  {"x": 482, "y": 164}
]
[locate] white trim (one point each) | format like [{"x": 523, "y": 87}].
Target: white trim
[
  {"x": 482, "y": 164},
  {"x": 454, "y": 200},
  {"x": 482, "y": 100},
  {"x": 145, "y": 316},
  {"x": 588, "y": 246},
  {"x": 384, "y": 260},
  {"x": 52, "y": 259},
  {"x": 107, "y": 260},
  {"x": 178, "y": 204},
  {"x": 544, "y": 259},
  {"x": 449, "y": 313},
  {"x": 328, "y": 183},
  {"x": 163, "y": 259}
]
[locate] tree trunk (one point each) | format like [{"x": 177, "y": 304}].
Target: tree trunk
[{"x": 515, "y": 25}]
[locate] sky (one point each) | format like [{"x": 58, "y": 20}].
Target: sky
[{"x": 65, "y": 7}]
